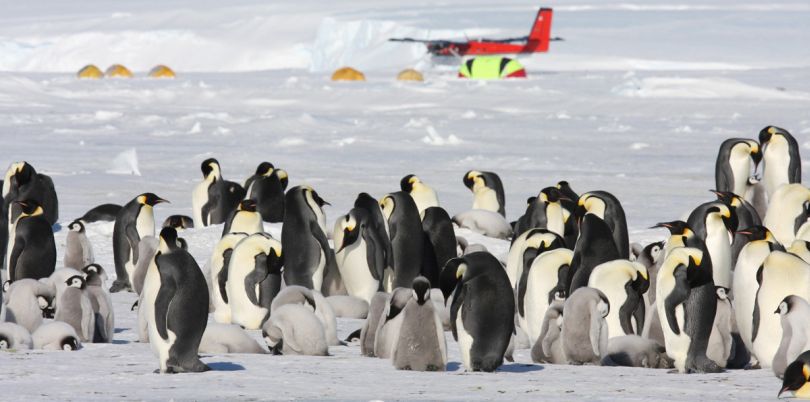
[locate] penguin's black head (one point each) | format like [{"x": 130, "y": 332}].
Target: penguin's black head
[
  {"x": 93, "y": 273},
  {"x": 727, "y": 197},
  {"x": 756, "y": 232},
  {"x": 28, "y": 208},
  {"x": 150, "y": 199},
  {"x": 264, "y": 169},
  {"x": 208, "y": 166},
  {"x": 406, "y": 184},
  {"x": 653, "y": 251},
  {"x": 796, "y": 377},
  {"x": 75, "y": 281},
  {"x": 721, "y": 292},
  {"x": 767, "y": 133},
  {"x": 449, "y": 278},
  {"x": 564, "y": 186},
  {"x": 674, "y": 227},
  {"x": 728, "y": 215},
  {"x": 642, "y": 282},
  {"x": 351, "y": 228},
  {"x": 756, "y": 155},
  {"x": 77, "y": 226},
  {"x": 169, "y": 236},
  {"x": 469, "y": 178},
  {"x": 70, "y": 343},
  {"x": 275, "y": 260},
  {"x": 552, "y": 194},
  {"x": 247, "y": 205},
  {"x": 5, "y": 343},
  {"x": 421, "y": 289},
  {"x": 317, "y": 198},
  {"x": 283, "y": 177},
  {"x": 22, "y": 174}
]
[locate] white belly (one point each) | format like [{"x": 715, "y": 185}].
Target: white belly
[
  {"x": 486, "y": 198},
  {"x": 146, "y": 304},
  {"x": 717, "y": 241},
  {"x": 354, "y": 269},
  {"x": 677, "y": 346},
  {"x": 465, "y": 341},
  {"x": 198, "y": 198},
  {"x": 243, "y": 312},
  {"x": 424, "y": 199},
  {"x": 11, "y": 238},
  {"x": 535, "y": 304},
  {"x": 741, "y": 170},
  {"x": 745, "y": 288},
  {"x": 317, "y": 276},
  {"x": 554, "y": 219},
  {"x": 777, "y": 162},
  {"x": 145, "y": 222}
]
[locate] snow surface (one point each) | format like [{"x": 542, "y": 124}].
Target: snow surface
[{"x": 635, "y": 101}]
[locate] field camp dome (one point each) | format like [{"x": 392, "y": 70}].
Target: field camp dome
[
  {"x": 161, "y": 71},
  {"x": 90, "y": 71},
  {"x": 410, "y": 74},
  {"x": 118, "y": 71},
  {"x": 348, "y": 74},
  {"x": 491, "y": 68}
]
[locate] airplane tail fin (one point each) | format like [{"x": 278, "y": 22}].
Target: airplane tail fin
[{"x": 541, "y": 30}]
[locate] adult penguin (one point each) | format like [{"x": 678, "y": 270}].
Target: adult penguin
[
  {"x": 788, "y": 209},
  {"x": 267, "y": 187},
  {"x": 254, "y": 279},
  {"x": 609, "y": 209},
  {"x": 687, "y": 303},
  {"x": 405, "y": 227},
  {"x": 487, "y": 190},
  {"x": 797, "y": 377},
  {"x": 595, "y": 246},
  {"x": 714, "y": 223},
  {"x": 746, "y": 215},
  {"x": 680, "y": 235},
  {"x": 31, "y": 248},
  {"x": 423, "y": 196},
  {"x": 624, "y": 283},
  {"x": 360, "y": 256},
  {"x": 545, "y": 284},
  {"x": 525, "y": 248},
  {"x": 180, "y": 309},
  {"x": 736, "y": 160},
  {"x": 101, "y": 213},
  {"x": 536, "y": 246},
  {"x": 214, "y": 198},
  {"x": 545, "y": 211},
  {"x": 483, "y": 311},
  {"x": 378, "y": 223},
  {"x": 135, "y": 220},
  {"x": 782, "y": 163},
  {"x": 218, "y": 275},
  {"x": 244, "y": 219},
  {"x": 307, "y": 253},
  {"x": 439, "y": 243}
]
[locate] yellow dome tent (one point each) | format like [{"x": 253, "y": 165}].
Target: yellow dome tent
[
  {"x": 348, "y": 74},
  {"x": 91, "y": 72},
  {"x": 410, "y": 74},
  {"x": 161, "y": 71},
  {"x": 118, "y": 71}
]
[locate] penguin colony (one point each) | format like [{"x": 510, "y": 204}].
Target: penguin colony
[{"x": 727, "y": 289}]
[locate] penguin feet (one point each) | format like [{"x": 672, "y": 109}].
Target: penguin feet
[
  {"x": 118, "y": 286},
  {"x": 703, "y": 365}
]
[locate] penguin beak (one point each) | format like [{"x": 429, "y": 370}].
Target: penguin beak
[
  {"x": 350, "y": 235},
  {"x": 779, "y": 395},
  {"x": 161, "y": 200}
]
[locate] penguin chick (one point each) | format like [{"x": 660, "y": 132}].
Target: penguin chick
[
  {"x": 228, "y": 338},
  {"x": 794, "y": 313},
  {"x": 56, "y": 335},
  {"x": 584, "y": 329},
  {"x": 293, "y": 329},
  {"x": 635, "y": 351}
]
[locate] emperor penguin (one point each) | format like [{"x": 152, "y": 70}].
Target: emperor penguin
[
  {"x": 228, "y": 338},
  {"x": 167, "y": 241},
  {"x": 546, "y": 211},
  {"x": 378, "y": 223},
  {"x": 14, "y": 337},
  {"x": 135, "y": 220},
  {"x": 244, "y": 219},
  {"x": 180, "y": 309},
  {"x": 101, "y": 213},
  {"x": 721, "y": 342},
  {"x": 755, "y": 195},
  {"x": 439, "y": 243},
  {"x": 747, "y": 217},
  {"x": 147, "y": 248},
  {"x": 714, "y": 223},
  {"x": 423, "y": 196},
  {"x": 687, "y": 303},
  {"x": 635, "y": 351},
  {"x": 75, "y": 308},
  {"x": 594, "y": 246},
  {"x": 525, "y": 248},
  {"x": 736, "y": 160},
  {"x": 214, "y": 198},
  {"x": 797, "y": 377},
  {"x": 607, "y": 207},
  {"x": 651, "y": 256},
  {"x": 311, "y": 298},
  {"x": 680, "y": 235},
  {"x": 178, "y": 222},
  {"x": 584, "y": 329},
  {"x": 267, "y": 187},
  {"x": 293, "y": 329},
  {"x": 78, "y": 250},
  {"x": 25, "y": 300},
  {"x": 59, "y": 281},
  {"x": 31, "y": 247},
  {"x": 787, "y": 211},
  {"x": 487, "y": 190},
  {"x": 545, "y": 284},
  {"x": 483, "y": 310},
  {"x": 782, "y": 163},
  {"x": 254, "y": 279},
  {"x": 361, "y": 254},
  {"x": 624, "y": 283},
  {"x": 420, "y": 345},
  {"x": 56, "y": 335},
  {"x": 794, "y": 313},
  {"x": 101, "y": 302},
  {"x": 308, "y": 255},
  {"x": 218, "y": 265},
  {"x": 781, "y": 275},
  {"x": 390, "y": 324},
  {"x": 405, "y": 227},
  {"x": 483, "y": 222},
  {"x": 548, "y": 346},
  {"x": 801, "y": 249},
  {"x": 369, "y": 330}
]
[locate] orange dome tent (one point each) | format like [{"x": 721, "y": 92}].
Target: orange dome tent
[{"x": 348, "y": 74}]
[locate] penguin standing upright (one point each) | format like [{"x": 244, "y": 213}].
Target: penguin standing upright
[
  {"x": 747, "y": 217},
  {"x": 378, "y": 223},
  {"x": 423, "y": 196},
  {"x": 483, "y": 311},
  {"x": 714, "y": 223},
  {"x": 548, "y": 346},
  {"x": 267, "y": 187},
  {"x": 594, "y": 246},
  {"x": 736, "y": 160},
  {"x": 180, "y": 308},
  {"x": 440, "y": 242},
  {"x": 254, "y": 279},
  {"x": 584, "y": 329},
  {"x": 308, "y": 256},
  {"x": 135, "y": 220},
  {"x": 525, "y": 248},
  {"x": 421, "y": 345},
  {"x": 405, "y": 228},
  {"x": 782, "y": 163},
  {"x": 487, "y": 190},
  {"x": 687, "y": 303},
  {"x": 78, "y": 250},
  {"x": 101, "y": 302},
  {"x": 794, "y": 313},
  {"x": 360, "y": 256},
  {"x": 75, "y": 308},
  {"x": 244, "y": 219},
  {"x": 218, "y": 275},
  {"x": 788, "y": 209},
  {"x": 390, "y": 323},
  {"x": 721, "y": 342},
  {"x": 214, "y": 198},
  {"x": 31, "y": 247},
  {"x": 546, "y": 211},
  {"x": 607, "y": 207},
  {"x": 624, "y": 283}
]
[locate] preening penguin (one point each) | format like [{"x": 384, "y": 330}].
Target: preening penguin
[
  {"x": 214, "y": 198},
  {"x": 782, "y": 163},
  {"x": 14, "y": 337},
  {"x": 78, "y": 250},
  {"x": 266, "y": 187},
  {"x": 180, "y": 308},
  {"x": 624, "y": 284},
  {"x": 135, "y": 220},
  {"x": 483, "y": 311},
  {"x": 487, "y": 190},
  {"x": 218, "y": 275},
  {"x": 378, "y": 223},
  {"x": 101, "y": 302},
  {"x": 293, "y": 329},
  {"x": 794, "y": 313},
  {"x": 254, "y": 279},
  {"x": 390, "y": 323},
  {"x": 714, "y": 223},
  {"x": 797, "y": 377},
  {"x": 686, "y": 303},
  {"x": 747, "y": 217},
  {"x": 548, "y": 346},
  {"x": 584, "y": 329},
  {"x": 244, "y": 219},
  {"x": 609, "y": 209},
  {"x": 420, "y": 345},
  {"x": 423, "y": 196},
  {"x": 361, "y": 254},
  {"x": 25, "y": 300},
  {"x": 440, "y": 242},
  {"x": 308, "y": 255},
  {"x": 405, "y": 227},
  {"x": 56, "y": 335},
  {"x": 315, "y": 300},
  {"x": 31, "y": 247},
  {"x": 736, "y": 160},
  {"x": 594, "y": 246},
  {"x": 787, "y": 211},
  {"x": 75, "y": 308},
  {"x": 228, "y": 338}
]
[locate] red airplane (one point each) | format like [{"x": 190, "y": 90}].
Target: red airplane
[{"x": 537, "y": 41}]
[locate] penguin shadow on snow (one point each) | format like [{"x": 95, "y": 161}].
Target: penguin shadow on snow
[
  {"x": 506, "y": 368},
  {"x": 226, "y": 366}
]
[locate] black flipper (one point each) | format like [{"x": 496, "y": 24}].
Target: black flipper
[
  {"x": 258, "y": 274},
  {"x": 676, "y": 297},
  {"x": 222, "y": 278}
]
